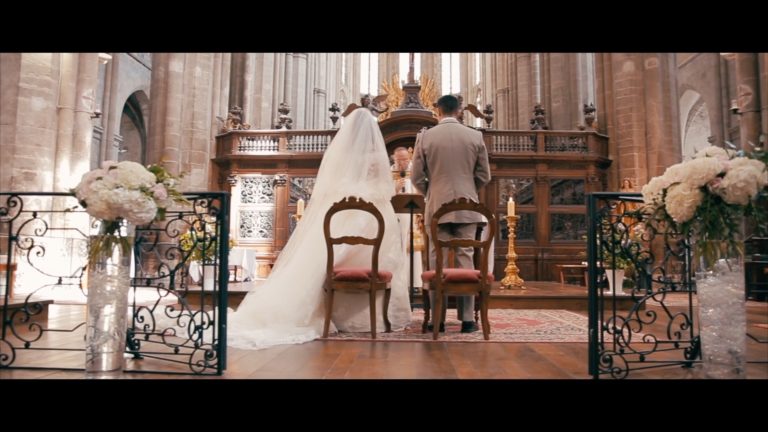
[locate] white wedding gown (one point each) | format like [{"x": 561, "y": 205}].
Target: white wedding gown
[{"x": 289, "y": 306}]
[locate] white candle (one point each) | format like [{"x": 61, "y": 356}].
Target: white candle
[
  {"x": 511, "y": 207},
  {"x": 300, "y": 207}
]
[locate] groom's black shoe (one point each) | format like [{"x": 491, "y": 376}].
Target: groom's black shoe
[
  {"x": 469, "y": 327},
  {"x": 431, "y": 327}
]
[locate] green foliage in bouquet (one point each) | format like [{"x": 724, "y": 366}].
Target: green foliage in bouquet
[{"x": 201, "y": 244}]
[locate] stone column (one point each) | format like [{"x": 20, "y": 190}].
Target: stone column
[
  {"x": 300, "y": 85},
  {"x": 646, "y": 139},
  {"x": 85, "y": 104},
  {"x": 431, "y": 66},
  {"x": 66, "y": 120},
  {"x": 389, "y": 64},
  {"x": 196, "y": 147},
  {"x": 105, "y": 111},
  {"x": 724, "y": 116},
  {"x": 536, "y": 82},
  {"x": 174, "y": 99},
  {"x": 714, "y": 98},
  {"x": 333, "y": 78},
  {"x": 29, "y": 88},
  {"x": 662, "y": 113},
  {"x": 180, "y": 133},
  {"x": 165, "y": 112},
  {"x": 604, "y": 94},
  {"x": 249, "y": 88},
  {"x": 113, "y": 112},
  {"x": 319, "y": 93},
  {"x": 748, "y": 94},
  {"x": 226, "y": 73},
  {"x": 524, "y": 93},
  {"x": 10, "y": 71},
  {"x": 627, "y": 143},
  {"x": 354, "y": 82},
  {"x": 217, "y": 108},
  {"x": 288, "y": 87},
  {"x": 236, "y": 80},
  {"x": 264, "y": 89},
  {"x": 501, "y": 95},
  {"x": 562, "y": 75}
]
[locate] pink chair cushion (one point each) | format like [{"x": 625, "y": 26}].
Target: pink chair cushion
[
  {"x": 455, "y": 275},
  {"x": 358, "y": 274}
]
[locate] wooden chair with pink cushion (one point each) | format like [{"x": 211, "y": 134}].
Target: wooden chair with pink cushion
[
  {"x": 459, "y": 281},
  {"x": 356, "y": 279}
]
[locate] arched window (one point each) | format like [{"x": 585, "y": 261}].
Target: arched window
[
  {"x": 402, "y": 69},
  {"x": 451, "y": 78},
  {"x": 369, "y": 73}
]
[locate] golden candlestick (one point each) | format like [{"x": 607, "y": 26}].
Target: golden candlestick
[
  {"x": 297, "y": 217},
  {"x": 511, "y": 272}
]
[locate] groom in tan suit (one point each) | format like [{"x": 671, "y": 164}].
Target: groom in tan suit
[{"x": 450, "y": 161}]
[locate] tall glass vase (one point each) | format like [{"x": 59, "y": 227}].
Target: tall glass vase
[
  {"x": 722, "y": 315},
  {"x": 109, "y": 280}
]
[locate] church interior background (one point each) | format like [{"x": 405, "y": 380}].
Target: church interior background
[{"x": 558, "y": 126}]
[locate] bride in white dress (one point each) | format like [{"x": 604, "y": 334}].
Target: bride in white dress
[{"x": 288, "y": 307}]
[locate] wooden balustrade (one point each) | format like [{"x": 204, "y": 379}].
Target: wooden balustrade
[
  {"x": 254, "y": 142},
  {"x": 545, "y": 143},
  {"x": 499, "y": 142}
]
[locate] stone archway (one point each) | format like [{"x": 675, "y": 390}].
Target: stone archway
[
  {"x": 694, "y": 123},
  {"x": 133, "y": 128}
]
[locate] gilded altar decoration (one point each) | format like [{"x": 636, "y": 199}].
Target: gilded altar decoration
[
  {"x": 428, "y": 93},
  {"x": 395, "y": 95}
]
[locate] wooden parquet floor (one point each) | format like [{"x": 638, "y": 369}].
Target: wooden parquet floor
[{"x": 408, "y": 360}]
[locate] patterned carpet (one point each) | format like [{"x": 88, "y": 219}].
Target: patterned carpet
[{"x": 507, "y": 325}]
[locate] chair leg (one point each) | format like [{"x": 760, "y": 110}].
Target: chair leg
[
  {"x": 425, "y": 301},
  {"x": 372, "y": 305},
  {"x": 478, "y": 302},
  {"x": 437, "y": 314},
  {"x": 484, "y": 314},
  {"x": 328, "y": 311},
  {"x": 387, "y": 324}
]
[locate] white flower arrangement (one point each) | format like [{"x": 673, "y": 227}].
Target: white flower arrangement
[
  {"x": 707, "y": 195},
  {"x": 126, "y": 190}
]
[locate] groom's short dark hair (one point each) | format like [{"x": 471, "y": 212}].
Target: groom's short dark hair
[{"x": 448, "y": 104}]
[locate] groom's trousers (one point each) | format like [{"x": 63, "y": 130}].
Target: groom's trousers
[{"x": 464, "y": 259}]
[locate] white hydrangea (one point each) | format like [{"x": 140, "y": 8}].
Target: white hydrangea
[
  {"x": 654, "y": 190},
  {"x": 715, "y": 171},
  {"x": 674, "y": 174},
  {"x": 137, "y": 207},
  {"x": 682, "y": 201},
  {"x": 132, "y": 175},
  {"x": 715, "y": 152},
  {"x": 124, "y": 190},
  {"x": 698, "y": 172}
]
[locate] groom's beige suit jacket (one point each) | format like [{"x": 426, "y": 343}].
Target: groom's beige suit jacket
[{"x": 450, "y": 161}]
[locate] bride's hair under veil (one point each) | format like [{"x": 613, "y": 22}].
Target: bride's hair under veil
[{"x": 288, "y": 307}]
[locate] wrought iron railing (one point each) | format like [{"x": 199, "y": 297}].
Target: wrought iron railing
[
  {"x": 45, "y": 236},
  {"x": 658, "y": 274}
]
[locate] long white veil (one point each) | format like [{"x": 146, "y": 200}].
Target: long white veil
[{"x": 289, "y": 306}]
